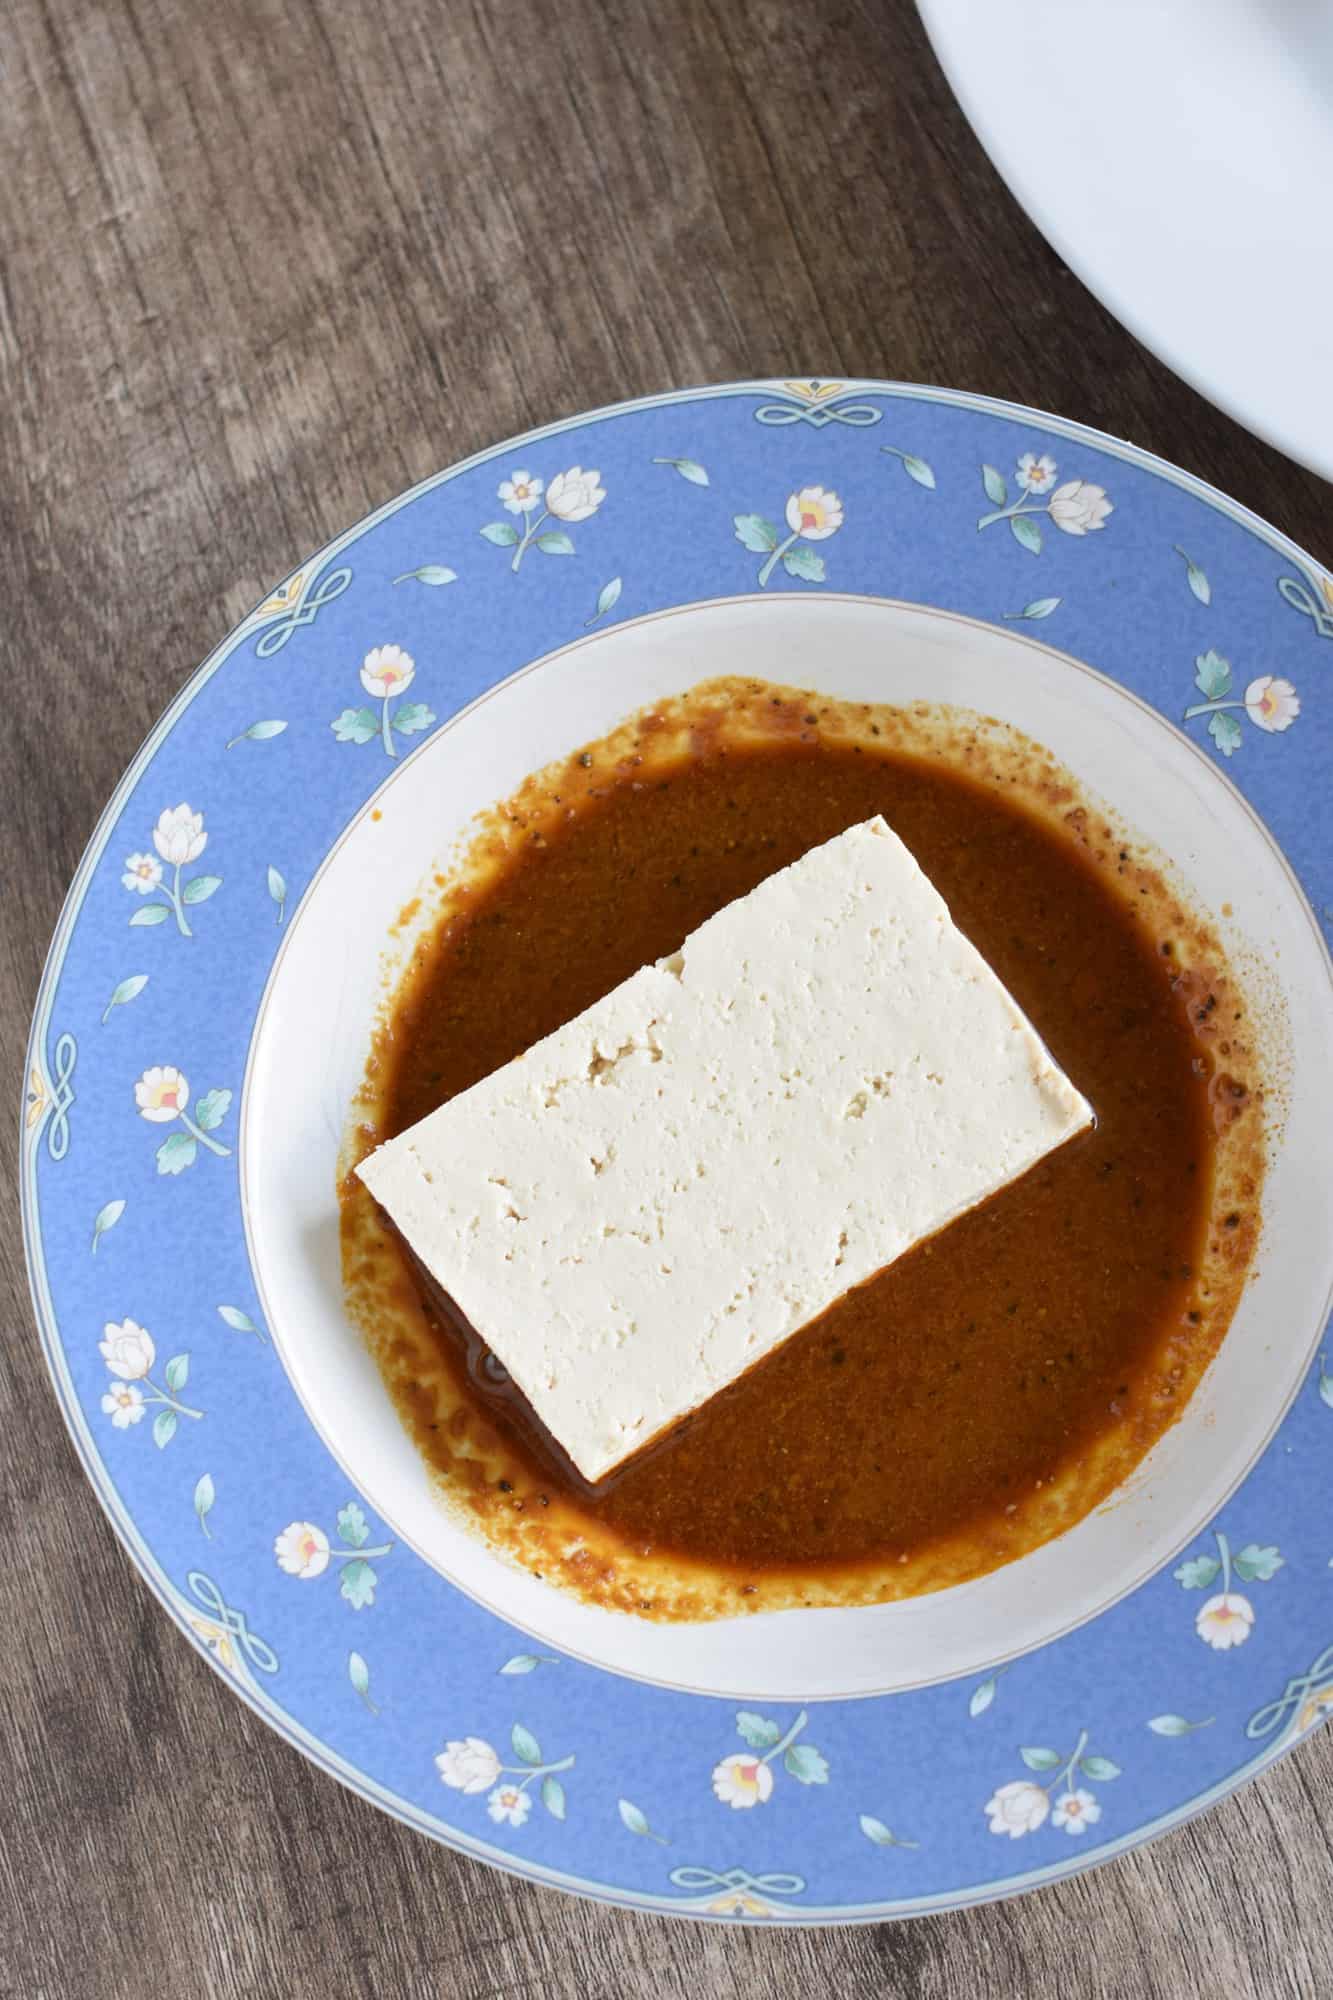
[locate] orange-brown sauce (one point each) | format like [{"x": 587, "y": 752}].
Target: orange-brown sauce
[{"x": 1034, "y": 1348}]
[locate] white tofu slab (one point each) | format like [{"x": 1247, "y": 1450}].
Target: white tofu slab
[{"x": 656, "y": 1196}]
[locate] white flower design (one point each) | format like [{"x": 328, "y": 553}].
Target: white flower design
[
  {"x": 387, "y": 670},
  {"x": 814, "y": 513},
  {"x": 123, "y": 1403},
  {"x": 179, "y": 836},
  {"x": 509, "y": 1805},
  {"x": 1076, "y": 1811},
  {"x": 1035, "y": 475},
  {"x": 1272, "y": 703},
  {"x": 574, "y": 495},
  {"x": 742, "y": 1780},
  {"x": 469, "y": 1765},
  {"x": 161, "y": 1094},
  {"x": 1017, "y": 1808},
  {"x": 1225, "y": 1621},
  {"x": 521, "y": 492},
  {"x": 1079, "y": 507},
  {"x": 302, "y": 1550},
  {"x": 127, "y": 1350},
  {"x": 143, "y": 873}
]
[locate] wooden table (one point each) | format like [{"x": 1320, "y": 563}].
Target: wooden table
[{"x": 264, "y": 264}]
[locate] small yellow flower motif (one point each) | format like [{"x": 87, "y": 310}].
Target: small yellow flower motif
[
  {"x": 217, "y": 1640},
  {"x": 36, "y": 1097},
  {"x": 284, "y": 597},
  {"x": 739, "y": 1903},
  {"x": 1314, "y": 1708},
  {"x": 812, "y": 392}
]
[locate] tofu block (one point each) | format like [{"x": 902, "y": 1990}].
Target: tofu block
[{"x": 648, "y": 1202}]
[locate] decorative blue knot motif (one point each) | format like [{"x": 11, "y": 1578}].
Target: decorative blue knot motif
[
  {"x": 232, "y": 1622},
  {"x": 819, "y": 404},
  {"x": 1304, "y": 600},
  {"x": 1318, "y": 1681},
  {"x": 738, "y": 1880},
  {"x": 62, "y": 1097},
  {"x": 304, "y": 611}
]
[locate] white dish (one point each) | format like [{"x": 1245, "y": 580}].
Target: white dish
[
  {"x": 314, "y": 1030},
  {"x": 1180, "y": 160}
]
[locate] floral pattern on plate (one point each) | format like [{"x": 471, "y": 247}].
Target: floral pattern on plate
[{"x": 1143, "y": 570}]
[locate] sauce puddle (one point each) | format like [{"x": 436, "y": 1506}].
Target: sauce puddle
[{"x": 991, "y": 1386}]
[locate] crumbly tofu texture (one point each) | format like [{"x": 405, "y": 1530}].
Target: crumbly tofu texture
[{"x": 659, "y": 1194}]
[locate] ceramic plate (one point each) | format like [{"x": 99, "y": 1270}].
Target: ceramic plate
[
  {"x": 1128, "y": 134},
  {"x": 204, "y": 1017}
]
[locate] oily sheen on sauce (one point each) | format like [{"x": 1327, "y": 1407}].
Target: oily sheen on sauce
[{"x": 1065, "y": 1319}]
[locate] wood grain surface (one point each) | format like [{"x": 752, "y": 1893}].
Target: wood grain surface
[{"x": 262, "y": 264}]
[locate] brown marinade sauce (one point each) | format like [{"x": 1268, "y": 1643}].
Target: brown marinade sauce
[{"x": 991, "y": 1385}]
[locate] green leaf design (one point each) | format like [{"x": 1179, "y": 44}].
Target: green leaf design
[
  {"x": 553, "y": 1797},
  {"x": 204, "y": 1496},
  {"x": 200, "y": 887},
  {"x": 1325, "y": 1382},
  {"x": 806, "y": 1764},
  {"x": 755, "y": 533},
  {"x": 358, "y": 1673},
  {"x": 526, "y": 1746},
  {"x": 1099, "y": 1768},
  {"x": 688, "y": 468},
  {"x": 358, "y": 1584},
  {"x": 1040, "y": 607},
  {"x": 982, "y": 1697},
  {"x": 240, "y": 1321},
  {"x": 526, "y": 1663},
  {"x": 875, "y": 1829},
  {"x": 164, "y": 1428},
  {"x": 277, "y": 889},
  {"x": 1197, "y": 1573},
  {"x": 106, "y": 1218},
  {"x": 1038, "y": 1759},
  {"x": 757, "y": 1730},
  {"x": 353, "y": 1526},
  {"x": 805, "y": 564},
  {"x": 607, "y": 599},
  {"x": 1256, "y": 1565},
  {"x": 1212, "y": 675},
  {"x": 258, "y": 732},
  {"x": 150, "y": 913},
  {"x": 1226, "y": 733},
  {"x": 212, "y": 1109},
  {"x": 433, "y": 574},
  {"x": 128, "y": 989},
  {"x": 1176, "y": 1725},
  {"x": 632, "y": 1818},
  {"x": 1195, "y": 578},
  {"x": 177, "y": 1373},
  {"x": 355, "y": 725},
  {"x": 993, "y": 481},
  {"x": 177, "y": 1153},
  {"x": 1026, "y": 533},
  {"x": 503, "y": 533},
  {"x": 915, "y": 468},
  {"x": 412, "y": 717},
  {"x": 555, "y": 542}
]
